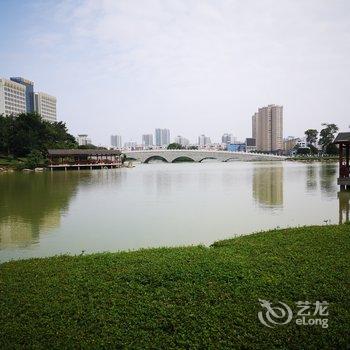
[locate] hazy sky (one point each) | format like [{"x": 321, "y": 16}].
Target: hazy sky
[{"x": 127, "y": 67}]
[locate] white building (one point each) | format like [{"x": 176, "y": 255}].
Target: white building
[
  {"x": 45, "y": 105},
  {"x": 83, "y": 140},
  {"x": 147, "y": 140},
  {"x": 116, "y": 141},
  {"x": 228, "y": 138},
  {"x": 182, "y": 141},
  {"x": 162, "y": 137},
  {"x": 12, "y": 97},
  {"x": 204, "y": 141}
]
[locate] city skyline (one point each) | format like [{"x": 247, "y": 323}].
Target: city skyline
[{"x": 126, "y": 66}]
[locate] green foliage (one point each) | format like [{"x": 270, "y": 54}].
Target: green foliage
[
  {"x": 181, "y": 298},
  {"x": 27, "y": 132},
  {"x": 174, "y": 145},
  {"x": 35, "y": 159},
  {"x": 303, "y": 151},
  {"x": 311, "y": 136},
  {"x": 327, "y": 136}
]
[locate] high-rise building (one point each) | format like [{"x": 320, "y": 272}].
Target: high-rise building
[
  {"x": 182, "y": 141},
  {"x": 147, "y": 140},
  {"x": 45, "y": 105},
  {"x": 228, "y": 138},
  {"x": 162, "y": 137},
  {"x": 17, "y": 96},
  {"x": 116, "y": 141},
  {"x": 29, "y": 85},
  {"x": 12, "y": 97},
  {"x": 267, "y": 128},
  {"x": 203, "y": 141}
]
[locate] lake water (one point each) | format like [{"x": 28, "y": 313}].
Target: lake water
[{"x": 152, "y": 205}]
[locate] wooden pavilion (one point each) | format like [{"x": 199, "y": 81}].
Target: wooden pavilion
[
  {"x": 343, "y": 140},
  {"x": 84, "y": 159}
]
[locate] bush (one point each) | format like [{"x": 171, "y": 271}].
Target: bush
[{"x": 35, "y": 159}]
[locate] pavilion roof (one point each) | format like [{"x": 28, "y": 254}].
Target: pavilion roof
[
  {"x": 343, "y": 137},
  {"x": 83, "y": 152}
]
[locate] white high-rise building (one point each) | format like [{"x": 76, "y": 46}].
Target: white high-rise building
[
  {"x": 45, "y": 105},
  {"x": 228, "y": 138},
  {"x": 116, "y": 141},
  {"x": 12, "y": 97},
  {"x": 147, "y": 140},
  {"x": 162, "y": 137},
  {"x": 204, "y": 141}
]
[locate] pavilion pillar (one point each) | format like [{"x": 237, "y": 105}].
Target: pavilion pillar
[{"x": 347, "y": 155}]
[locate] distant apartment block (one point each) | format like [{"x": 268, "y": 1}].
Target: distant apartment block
[
  {"x": 204, "y": 141},
  {"x": 83, "y": 140},
  {"x": 116, "y": 141},
  {"x": 45, "y": 105},
  {"x": 267, "y": 128},
  {"x": 12, "y": 97},
  {"x": 228, "y": 138},
  {"x": 162, "y": 137},
  {"x": 147, "y": 140},
  {"x": 29, "y": 85},
  {"x": 17, "y": 96},
  {"x": 182, "y": 141}
]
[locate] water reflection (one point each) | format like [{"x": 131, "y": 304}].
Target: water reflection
[
  {"x": 328, "y": 180},
  {"x": 268, "y": 186},
  {"x": 33, "y": 203},
  {"x": 344, "y": 206},
  {"x": 311, "y": 178}
]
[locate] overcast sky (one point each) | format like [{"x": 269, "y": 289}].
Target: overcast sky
[{"x": 127, "y": 67}]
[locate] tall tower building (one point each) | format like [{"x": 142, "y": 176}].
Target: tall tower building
[
  {"x": 267, "y": 128},
  {"x": 116, "y": 141},
  {"x": 162, "y": 137},
  {"x": 147, "y": 140},
  {"x": 45, "y": 105},
  {"x": 12, "y": 97},
  {"x": 29, "y": 85}
]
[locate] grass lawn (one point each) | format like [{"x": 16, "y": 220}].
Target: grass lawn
[{"x": 190, "y": 297}]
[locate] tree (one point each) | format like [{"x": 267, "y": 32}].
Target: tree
[
  {"x": 19, "y": 135},
  {"x": 174, "y": 145},
  {"x": 327, "y": 135},
  {"x": 311, "y": 136}
]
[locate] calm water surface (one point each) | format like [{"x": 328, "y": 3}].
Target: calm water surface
[{"x": 152, "y": 205}]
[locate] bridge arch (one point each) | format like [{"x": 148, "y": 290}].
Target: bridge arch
[
  {"x": 155, "y": 157},
  {"x": 205, "y": 158},
  {"x": 183, "y": 159}
]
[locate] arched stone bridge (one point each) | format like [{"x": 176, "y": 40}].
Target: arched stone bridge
[{"x": 197, "y": 155}]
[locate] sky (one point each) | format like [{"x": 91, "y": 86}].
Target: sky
[{"x": 196, "y": 67}]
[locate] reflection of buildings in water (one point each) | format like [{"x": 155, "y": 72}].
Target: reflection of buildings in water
[
  {"x": 22, "y": 233},
  {"x": 32, "y": 203},
  {"x": 344, "y": 206},
  {"x": 268, "y": 186},
  {"x": 311, "y": 178}
]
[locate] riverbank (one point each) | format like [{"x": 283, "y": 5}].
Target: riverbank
[
  {"x": 328, "y": 159},
  {"x": 189, "y": 297}
]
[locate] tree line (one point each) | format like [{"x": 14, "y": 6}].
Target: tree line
[
  {"x": 324, "y": 139},
  {"x": 29, "y": 136}
]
